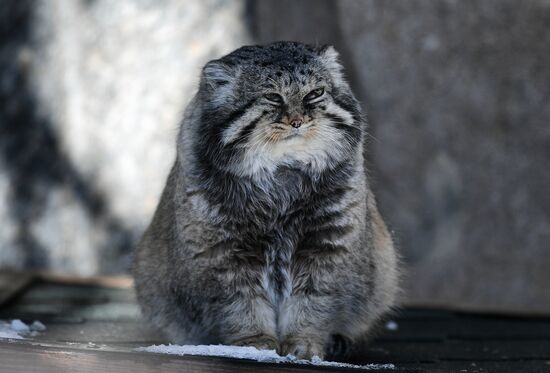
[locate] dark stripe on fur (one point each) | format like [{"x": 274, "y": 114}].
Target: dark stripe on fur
[
  {"x": 353, "y": 133},
  {"x": 209, "y": 148},
  {"x": 329, "y": 232},
  {"x": 245, "y": 132},
  {"x": 349, "y": 104},
  {"x": 237, "y": 114},
  {"x": 309, "y": 247}
]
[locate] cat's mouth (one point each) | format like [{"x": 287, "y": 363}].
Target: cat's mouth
[
  {"x": 282, "y": 133},
  {"x": 292, "y": 133}
]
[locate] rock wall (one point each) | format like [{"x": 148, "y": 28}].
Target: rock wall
[
  {"x": 93, "y": 93},
  {"x": 456, "y": 94}
]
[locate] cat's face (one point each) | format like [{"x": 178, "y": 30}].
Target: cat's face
[{"x": 285, "y": 103}]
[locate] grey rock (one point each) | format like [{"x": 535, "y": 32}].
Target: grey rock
[
  {"x": 94, "y": 91},
  {"x": 457, "y": 97},
  {"x": 456, "y": 94}
]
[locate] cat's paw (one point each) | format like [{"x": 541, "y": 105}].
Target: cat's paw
[
  {"x": 302, "y": 348},
  {"x": 339, "y": 347},
  {"x": 261, "y": 342}
]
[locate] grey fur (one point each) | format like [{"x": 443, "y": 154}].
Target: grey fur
[{"x": 266, "y": 234}]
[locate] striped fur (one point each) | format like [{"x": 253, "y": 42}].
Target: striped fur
[{"x": 266, "y": 234}]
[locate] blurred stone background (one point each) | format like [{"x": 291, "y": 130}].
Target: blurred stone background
[{"x": 457, "y": 95}]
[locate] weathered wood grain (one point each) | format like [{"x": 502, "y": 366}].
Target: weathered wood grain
[
  {"x": 12, "y": 283},
  {"x": 95, "y": 328},
  {"x": 17, "y": 357}
]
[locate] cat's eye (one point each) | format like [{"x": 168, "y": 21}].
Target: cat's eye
[
  {"x": 316, "y": 93},
  {"x": 274, "y": 98}
]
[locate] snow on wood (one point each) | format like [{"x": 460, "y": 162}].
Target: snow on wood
[
  {"x": 251, "y": 353},
  {"x": 17, "y": 329},
  {"x": 392, "y": 325}
]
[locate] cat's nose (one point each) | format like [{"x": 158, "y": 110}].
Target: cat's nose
[{"x": 296, "y": 122}]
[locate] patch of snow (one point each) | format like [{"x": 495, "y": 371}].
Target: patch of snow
[
  {"x": 19, "y": 326},
  {"x": 8, "y": 334},
  {"x": 17, "y": 329},
  {"x": 251, "y": 353},
  {"x": 37, "y": 326},
  {"x": 392, "y": 325}
]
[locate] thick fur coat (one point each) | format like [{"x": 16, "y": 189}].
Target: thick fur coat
[{"x": 267, "y": 233}]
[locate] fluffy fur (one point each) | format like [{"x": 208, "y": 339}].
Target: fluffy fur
[{"x": 267, "y": 233}]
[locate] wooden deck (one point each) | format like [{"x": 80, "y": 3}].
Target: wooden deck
[{"x": 94, "y": 326}]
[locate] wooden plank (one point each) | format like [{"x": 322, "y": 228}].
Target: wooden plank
[
  {"x": 62, "y": 301},
  {"x": 506, "y": 350},
  {"x": 493, "y": 327},
  {"x": 532, "y": 366},
  {"x": 102, "y": 325},
  {"x": 467, "y": 327},
  {"x": 17, "y": 357},
  {"x": 106, "y": 332},
  {"x": 471, "y": 308},
  {"x": 397, "y": 353},
  {"x": 421, "y": 314},
  {"x": 424, "y": 352},
  {"x": 74, "y": 294},
  {"x": 107, "y": 311},
  {"x": 12, "y": 283},
  {"x": 120, "y": 282}
]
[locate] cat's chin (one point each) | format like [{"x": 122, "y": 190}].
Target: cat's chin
[{"x": 292, "y": 136}]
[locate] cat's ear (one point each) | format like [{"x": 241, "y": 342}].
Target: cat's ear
[
  {"x": 217, "y": 73},
  {"x": 330, "y": 58}
]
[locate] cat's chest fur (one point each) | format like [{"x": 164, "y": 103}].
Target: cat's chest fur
[
  {"x": 269, "y": 223},
  {"x": 278, "y": 223},
  {"x": 276, "y": 275}
]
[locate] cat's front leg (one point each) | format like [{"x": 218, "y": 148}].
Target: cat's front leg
[
  {"x": 305, "y": 326},
  {"x": 261, "y": 341},
  {"x": 250, "y": 322},
  {"x": 302, "y": 346}
]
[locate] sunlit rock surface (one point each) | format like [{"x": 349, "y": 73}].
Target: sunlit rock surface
[
  {"x": 456, "y": 93},
  {"x": 94, "y": 91}
]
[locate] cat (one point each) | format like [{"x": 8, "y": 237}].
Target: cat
[{"x": 267, "y": 233}]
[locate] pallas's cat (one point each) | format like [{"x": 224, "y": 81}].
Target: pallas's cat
[{"x": 267, "y": 233}]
